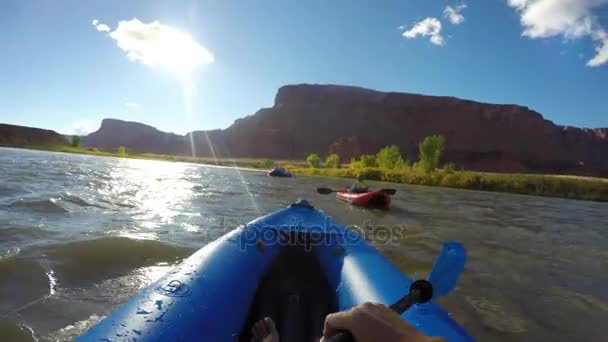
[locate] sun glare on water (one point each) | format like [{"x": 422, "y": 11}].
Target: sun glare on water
[{"x": 158, "y": 191}]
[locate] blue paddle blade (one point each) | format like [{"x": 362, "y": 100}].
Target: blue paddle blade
[{"x": 448, "y": 266}]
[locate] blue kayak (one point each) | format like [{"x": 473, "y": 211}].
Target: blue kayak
[
  {"x": 279, "y": 172},
  {"x": 295, "y": 265}
]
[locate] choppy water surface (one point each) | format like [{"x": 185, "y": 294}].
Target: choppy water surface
[{"x": 80, "y": 234}]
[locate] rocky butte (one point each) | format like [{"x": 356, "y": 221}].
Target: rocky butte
[
  {"x": 350, "y": 121},
  {"x": 20, "y": 136}
]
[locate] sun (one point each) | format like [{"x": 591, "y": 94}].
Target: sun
[{"x": 161, "y": 45}]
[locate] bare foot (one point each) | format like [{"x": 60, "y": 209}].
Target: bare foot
[{"x": 264, "y": 331}]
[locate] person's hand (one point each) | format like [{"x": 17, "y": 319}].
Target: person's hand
[{"x": 372, "y": 322}]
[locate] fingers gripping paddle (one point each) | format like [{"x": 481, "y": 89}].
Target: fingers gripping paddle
[
  {"x": 327, "y": 191},
  {"x": 442, "y": 280}
]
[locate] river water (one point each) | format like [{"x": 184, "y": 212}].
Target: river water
[{"x": 80, "y": 234}]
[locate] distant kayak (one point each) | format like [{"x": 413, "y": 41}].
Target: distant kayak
[
  {"x": 279, "y": 172},
  {"x": 296, "y": 262},
  {"x": 376, "y": 199}
]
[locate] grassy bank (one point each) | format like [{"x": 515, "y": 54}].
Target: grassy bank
[
  {"x": 584, "y": 188},
  {"x": 250, "y": 163}
]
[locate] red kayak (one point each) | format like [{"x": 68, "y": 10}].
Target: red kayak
[{"x": 376, "y": 199}]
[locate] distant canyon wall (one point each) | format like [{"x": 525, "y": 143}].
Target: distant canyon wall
[
  {"x": 351, "y": 121},
  {"x": 21, "y": 136}
]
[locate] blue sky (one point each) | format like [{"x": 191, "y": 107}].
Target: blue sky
[{"x": 58, "y": 71}]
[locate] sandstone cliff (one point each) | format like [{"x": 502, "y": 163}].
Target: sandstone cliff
[
  {"x": 352, "y": 120},
  {"x": 20, "y": 136}
]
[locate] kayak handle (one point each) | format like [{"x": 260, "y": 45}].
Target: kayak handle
[{"x": 421, "y": 291}]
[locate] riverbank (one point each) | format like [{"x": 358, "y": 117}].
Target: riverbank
[
  {"x": 571, "y": 187},
  {"x": 562, "y": 186},
  {"x": 243, "y": 163}
]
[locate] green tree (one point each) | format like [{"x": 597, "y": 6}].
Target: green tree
[
  {"x": 368, "y": 160},
  {"x": 430, "y": 152},
  {"x": 122, "y": 151},
  {"x": 401, "y": 164},
  {"x": 449, "y": 168},
  {"x": 389, "y": 157},
  {"x": 333, "y": 161},
  {"x": 313, "y": 160},
  {"x": 76, "y": 141}
]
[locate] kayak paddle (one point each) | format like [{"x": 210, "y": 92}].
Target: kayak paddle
[
  {"x": 327, "y": 191},
  {"x": 447, "y": 268},
  {"x": 442, "y": 280}
]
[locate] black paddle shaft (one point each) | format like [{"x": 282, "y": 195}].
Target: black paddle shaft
[{"x": 421, "y": 291}]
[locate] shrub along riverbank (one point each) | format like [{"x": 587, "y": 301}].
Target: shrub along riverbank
[
  {"x": 584, "y": 188},
  {"x": 389, "y": 165}
]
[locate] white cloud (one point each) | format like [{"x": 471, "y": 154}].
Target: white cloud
[
  {"x": 156, "y": 44},
  {"x": 132, "y": 104},
  {"x": 453, "y": 14},
  {"x": 518, "y": 4},
  {"x": 81, "y": 127},
  {"x": 571, "y": 19},
  {"x": 429, "y": 27},
  {"x": 101, "y": 27},
  {"x": 602, "y": 49}
]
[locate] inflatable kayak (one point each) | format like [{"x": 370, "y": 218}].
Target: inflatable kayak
[
  {"x": 377, "y": 198},
  {"x": 279, "y": 172},
  {"x": 295, "y": 265}
]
